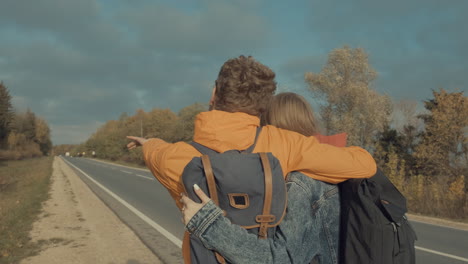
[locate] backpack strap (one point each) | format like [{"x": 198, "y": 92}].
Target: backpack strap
[
  {"x": 202, "y": 149},
  {"x": 266, "y": 217},
  {"x": 207, "y": 151},
  {"x": 250, "y": 149},
  {"x": 210, "y": 180}
]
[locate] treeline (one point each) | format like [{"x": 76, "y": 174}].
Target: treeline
[
  {"x": 109, "y": 141},
  {"x": 429, "y": 166},
  {"x": 425, "y": 153},
  {"x": 22, "y": 135}
]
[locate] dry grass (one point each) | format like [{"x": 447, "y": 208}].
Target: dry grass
[
  {"x": 24, "y": 186},
  {"x": 440, "y": 197},
  {"x": 24, "y": 153}
]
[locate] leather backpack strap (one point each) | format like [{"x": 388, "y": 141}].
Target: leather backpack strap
[
  {"x": 220, "y": 258},
  {"x": 210, "y": 180},
  {"x": 213, "y": 192},
  {"x": 266, "y": 217}
]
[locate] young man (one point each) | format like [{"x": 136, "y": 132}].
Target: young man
[{"x": 241, "y": 93}]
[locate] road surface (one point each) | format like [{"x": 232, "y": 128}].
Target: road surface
[{"x": 136, "y": 190}]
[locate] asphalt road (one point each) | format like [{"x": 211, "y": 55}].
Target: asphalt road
[{"x": 140, "y": 192}]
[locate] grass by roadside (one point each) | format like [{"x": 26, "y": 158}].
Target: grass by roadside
[{"x": 24, "y": 186}]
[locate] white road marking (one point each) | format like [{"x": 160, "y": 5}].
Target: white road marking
[
  {"x": 126, "y": 171},
  {"x": 143, "y": 176},
  {"x": 114, "y": 164},
  {"x": 442, "y": 254},
  {"x": 150, "y": 222},
  {"x": 440, "y": 225}
]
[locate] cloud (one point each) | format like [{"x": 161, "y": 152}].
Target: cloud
[
  {"x": 74, "y": 133},
  {"x": 79, "y": 62},
  {"x": 219, "y": 28},
  {"x": 414, "y": 47},
  {"x": 76, "y": 62},
  {"x": 296, "y": 67}
]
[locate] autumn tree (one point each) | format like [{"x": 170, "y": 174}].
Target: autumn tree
[
  {"x": 42, "y": 136},
  {"x": 348, "y": 101},
  {"x": 443, "y": 150},
  {"x": 160, "y": 123},
  {"x": 405, "y": 114},
  {"x": 6, "y": 114},
  {"x": 110, "y": 141},
  {"x": 184, "y": 128},
  {"x": 25, "y": 123}
]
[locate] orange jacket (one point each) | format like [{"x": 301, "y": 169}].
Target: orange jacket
[{"x": 224, "y": 131}]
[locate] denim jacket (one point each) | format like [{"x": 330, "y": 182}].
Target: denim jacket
[{"x": 309, "y": 232}]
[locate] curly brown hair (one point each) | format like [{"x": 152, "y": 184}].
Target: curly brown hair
[{"x": 244, "y": 85}]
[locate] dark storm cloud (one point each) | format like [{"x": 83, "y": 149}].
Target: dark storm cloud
[
  {"x": 221, "y": 28},
  {"x": 80, "y": 63}
]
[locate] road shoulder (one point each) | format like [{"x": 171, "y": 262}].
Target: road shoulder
[
  {"x": 77, "y": 227},
  {"x": 438, "y": 221}
]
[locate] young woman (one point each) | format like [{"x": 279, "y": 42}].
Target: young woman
[{"x": 309, "y": 232}]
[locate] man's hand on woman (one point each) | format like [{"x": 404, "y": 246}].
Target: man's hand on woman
[{"x": 190, "y": 208}]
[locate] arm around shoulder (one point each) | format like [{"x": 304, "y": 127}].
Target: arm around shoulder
[{"x": 328, "y": 163}]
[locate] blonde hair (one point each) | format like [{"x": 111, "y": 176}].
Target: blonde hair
[{"x": 292, "y": 112}]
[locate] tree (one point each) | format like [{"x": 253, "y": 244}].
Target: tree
[
  {"x": 160, "y": 123},
  {"x": 443, "y": 150},
  {"x": 184, "y": 128},
  {"x": 396, "y": 147},
  {"x": 404, "y": 115},
  {"x": 348, "y": 102},
  {"x": 6, "y": 114},
  {"x": 25, "y": 123},
  {"x": 42, "y": 136}
]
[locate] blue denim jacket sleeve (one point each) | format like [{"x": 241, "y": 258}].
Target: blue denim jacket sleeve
[{"x": 289, "y": 245}]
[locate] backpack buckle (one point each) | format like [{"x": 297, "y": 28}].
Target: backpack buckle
[{"x": 265, "y": 218}]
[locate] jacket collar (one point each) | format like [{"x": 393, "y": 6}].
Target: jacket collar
[{"x": 222, "y": 131}]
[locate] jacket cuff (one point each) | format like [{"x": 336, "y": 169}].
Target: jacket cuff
[{"x": 203, "y": 219}]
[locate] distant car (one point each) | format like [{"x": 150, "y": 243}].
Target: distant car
[{"x": 67, "y": 154}]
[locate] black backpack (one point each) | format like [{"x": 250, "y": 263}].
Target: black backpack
[
  {"x": 374, "y": 228},
  {"x": 249, "y": 187}
]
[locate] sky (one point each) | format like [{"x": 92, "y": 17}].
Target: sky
[{"x": 80, "y": 63}]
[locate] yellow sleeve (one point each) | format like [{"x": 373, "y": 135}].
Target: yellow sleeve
[
  {"x": 167, "y": 162},
  {"x": 153, "y": 154},
  {"x": 326, "y": 162}
]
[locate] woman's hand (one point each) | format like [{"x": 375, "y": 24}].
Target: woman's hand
[
  {"x": 190, "y": 208},
  {"x": 137, "y": 141}
]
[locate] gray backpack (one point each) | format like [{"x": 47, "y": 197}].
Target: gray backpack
[{"x": 249, "y": 187}]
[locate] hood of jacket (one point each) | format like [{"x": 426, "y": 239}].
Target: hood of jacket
[{"x": 222, "y": 131}]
